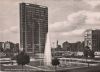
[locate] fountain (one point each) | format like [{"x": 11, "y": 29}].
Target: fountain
[
  {"x": 64, "y": 62},
  {"x": 47, "y": 52}
]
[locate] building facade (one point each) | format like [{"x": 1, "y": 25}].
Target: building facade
[
  {"x": 74, "y": 47},
  {"x": 1, "y": 46},
  {"x": 12, "y": 47},
  {"x": 92, "y": 39},
  {"x": 9, "y": 49},
  {"x": 33, "y": 27},
  {"x": 8, "y": 45}
]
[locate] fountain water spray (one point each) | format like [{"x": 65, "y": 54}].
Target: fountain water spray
[{"x": 47, "y": 52}]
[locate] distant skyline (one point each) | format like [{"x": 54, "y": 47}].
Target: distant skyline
[{"x": 68, "y": 19}]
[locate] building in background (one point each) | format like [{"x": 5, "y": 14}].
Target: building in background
[
  {"x": 12, "y": 47},
  {"x": 33, "y": 27},
  {"x": 73, "y": 47},
  {"x": 1, "y": 46},
  {"x": 9, "y": 49},
  {"x": 8, "y": 45},
  {"x": 92, "y": 39},
  {"x": 16, "y": 48}
]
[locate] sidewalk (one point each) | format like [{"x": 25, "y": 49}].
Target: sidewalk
[{"x": 80, "y": 59}]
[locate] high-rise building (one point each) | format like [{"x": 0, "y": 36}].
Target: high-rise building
[
  {"x": 33, "y": 27},
  {"x": 92, "y": 39}
]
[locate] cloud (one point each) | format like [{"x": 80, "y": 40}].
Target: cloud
[
  {"x": 73, "y": 21},
  {"x": 67, "y": 18},
  {"x": 93, "y": 17},
  {"x": 12, "y": 29},
  {"x": 76, "y": 20},
  {"x": 59, "y": 10},
  {"x": 74, "y": 32},
  {"x": 75, "y": 25},
  {"x": 93, "y": 3},
  {"x": 10, "y": 34},
  {"x": 97, "y": 8}
]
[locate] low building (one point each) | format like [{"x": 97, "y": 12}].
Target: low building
[
  {"x": 1, "y": 46},
  {"x": 77, "y": 46},
  {"x": 11, "y": 48},
  {"x": 8, "y": 45}
]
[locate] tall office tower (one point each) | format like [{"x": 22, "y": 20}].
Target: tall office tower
[
  {"x": 33, "y": 27},
  {"x": 92, "y": 39}
]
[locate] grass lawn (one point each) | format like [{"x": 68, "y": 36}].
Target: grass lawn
[
  {"x": 17, "y": 68},
  {"x": 40, "y": 65},
  {"x": 36, "y": 63}
]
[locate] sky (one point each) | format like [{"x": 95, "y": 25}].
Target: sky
[{"x": 67, "y": 19}]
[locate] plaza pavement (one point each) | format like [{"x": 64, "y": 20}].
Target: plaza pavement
[{"x": 72, "y": 69}]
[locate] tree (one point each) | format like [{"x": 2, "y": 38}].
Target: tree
[
  {"x": 1, "y": 49},
  {"x": 86, "y": 50},
  {"x": 22, "y": 59},
  {"x": 91, "y": 54},
  {"x": 86, "y": 53},
  {"x": 55, "y": 62}
]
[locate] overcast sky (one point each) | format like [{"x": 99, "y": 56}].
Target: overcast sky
[{"x": 68, "y": 19}]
